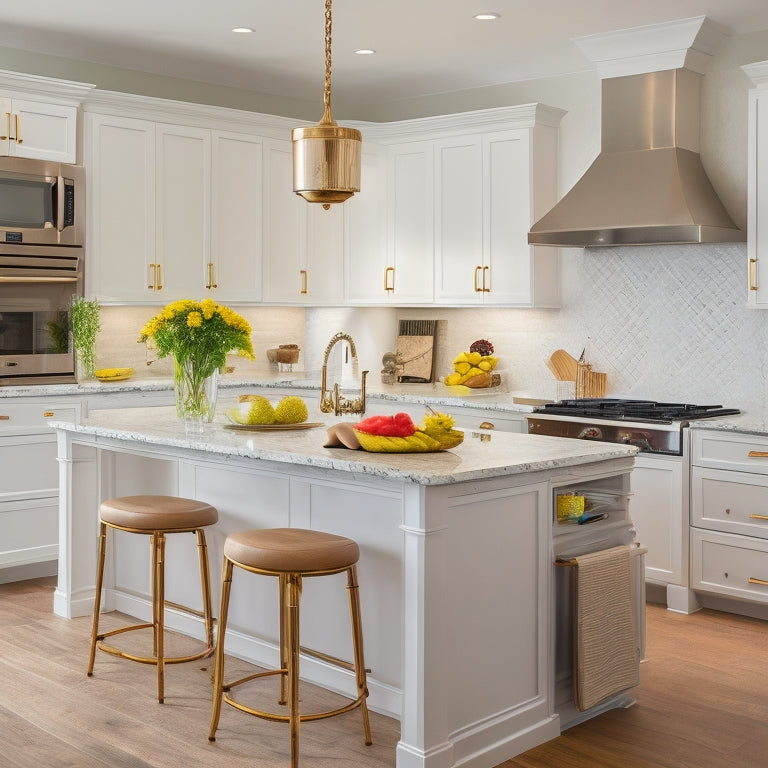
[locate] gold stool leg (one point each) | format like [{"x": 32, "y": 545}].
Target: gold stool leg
[
  {"x": 97, "y": 596},
  {"x": 218, "y": 669},
  {"x": 293, "y": 597},
  {"x": 357, "y": 643},
  {"x": 158, "y": 601},
  {"x": 205, "y": 581},
  {"x": 282, "y": 589}
]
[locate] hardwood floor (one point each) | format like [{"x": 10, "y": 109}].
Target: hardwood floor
[{"x": 702, "y": 702}]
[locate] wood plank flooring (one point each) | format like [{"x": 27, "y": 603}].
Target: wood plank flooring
[{"x": 702, "y": 702}]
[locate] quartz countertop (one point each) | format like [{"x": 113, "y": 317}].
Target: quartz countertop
[
  {"x": 493, "y": 455},
  {"x": 751, "y": 423},
  {"x": 429, "y": 394}
]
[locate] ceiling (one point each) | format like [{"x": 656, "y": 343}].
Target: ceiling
[{"x": 422, "y": 46}]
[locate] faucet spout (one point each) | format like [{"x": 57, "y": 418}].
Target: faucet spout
[{"x": 331, "y": 400}]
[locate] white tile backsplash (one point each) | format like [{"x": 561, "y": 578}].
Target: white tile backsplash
[{"x": 665, "y": 322}]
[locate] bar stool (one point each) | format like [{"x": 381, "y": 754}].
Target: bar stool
[
  {"x": 154, "y": 516},
  {"x": 291, "y": 554}
]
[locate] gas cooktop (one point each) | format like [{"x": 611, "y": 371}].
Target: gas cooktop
[{"x": 634, "y": 410}]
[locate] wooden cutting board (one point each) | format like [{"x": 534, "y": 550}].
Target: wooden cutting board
[{"x": 564, "y": 365}]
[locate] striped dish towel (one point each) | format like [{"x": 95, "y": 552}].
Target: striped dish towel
[{"x": 607, "y": 658}]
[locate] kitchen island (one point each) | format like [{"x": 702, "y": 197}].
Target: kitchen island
[{"x": 455, "y": 569}]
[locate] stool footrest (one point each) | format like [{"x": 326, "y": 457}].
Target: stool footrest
[
  {"x": 330, "y": 659},
  {"x": 304, "y": 718},
  {"x": 207, "y": 653}
]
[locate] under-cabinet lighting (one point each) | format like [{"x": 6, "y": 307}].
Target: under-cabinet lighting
[
  {"x": 242, "y": 30},
  {"x": 486, "y": 16}
]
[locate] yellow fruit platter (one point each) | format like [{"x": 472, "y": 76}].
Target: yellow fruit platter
[
  {"x": 113, "y": 374},
  {"x": 255, "y": 413},
  {"x": 273, "y": 427}
]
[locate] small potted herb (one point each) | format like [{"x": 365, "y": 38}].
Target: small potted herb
[{"x": 84, "y": 319}]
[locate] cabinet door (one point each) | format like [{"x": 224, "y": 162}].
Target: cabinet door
[
  {"x": 411, "y": 224},
  {"x": 234, "y": 271},
  {"x": 365, "y": 245},
  {"x": 757, "y": 234},
  {"x": 507, "y": 173},
  {"x": 285, "y": 217},
  {"x": 183, "y": 210},
  {"x": 659, "y": 510},
  {"x": 41, "y": 131},
  {"x": 120, "y": 155},
  {"x": 324, "y": 264},
  {"x": 459, "y": 264}
]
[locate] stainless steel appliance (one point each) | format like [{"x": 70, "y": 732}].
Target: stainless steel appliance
[
  {"x": 652, "y": 427},
  {"x": 41, "y": 203},
  {"x": 37, "y": 284}
]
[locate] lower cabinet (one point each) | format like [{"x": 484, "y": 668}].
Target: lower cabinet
[
  {"x": 729, "y": 515},
  {"x": 29, "y": 489}
]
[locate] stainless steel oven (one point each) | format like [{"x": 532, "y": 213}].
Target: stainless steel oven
[{"x": 37, "y": 284}]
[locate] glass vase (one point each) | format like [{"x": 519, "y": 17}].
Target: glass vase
[
  {"x": 195, "y": 395},
  {"x": 85, "y": 365}
]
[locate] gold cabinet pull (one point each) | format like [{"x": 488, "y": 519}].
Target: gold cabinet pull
[
  {"x": 157, "y": 278},
  {"x": 487, "y": 425},
  {"x": 477, "y": 289},
  {"x": 389, "y": 279},
  {"x": 18, "y": 130},
  {"x": 755, "y": 516},
  {"x": 7, "y": 127},
  {"x": 4, "y": 417},
  {"x": 757, "y": 454},
  {"x": 303, "y": 273},
  {"x": 753, "y": 274},
  {"x": 486, "y": 283},
  {"x": 754, "y": 580},
  {"x": 211, "y": 279}
]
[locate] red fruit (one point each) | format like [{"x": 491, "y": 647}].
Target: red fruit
[
  {"x": 399, "y": 425},
  {"x": 483, "y": 346}
]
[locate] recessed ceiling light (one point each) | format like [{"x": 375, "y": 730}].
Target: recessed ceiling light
[
  {"x": 242, "y": 30},
  {"x": 487, "y": 16},
  {"x": 365, "y": 52}
]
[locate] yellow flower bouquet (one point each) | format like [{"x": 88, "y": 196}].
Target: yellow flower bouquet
[{"x": 199, "y": 335}]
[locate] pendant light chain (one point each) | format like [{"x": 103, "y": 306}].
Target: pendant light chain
[{"x": 327, "y": 89}]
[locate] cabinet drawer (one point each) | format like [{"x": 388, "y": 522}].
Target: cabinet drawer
[
  {"x": 724, "y": 450},
  {"x": 732, "y": 566},
  {"x": 33, "y": 418},
  {"x": 29, "y": 531},
  {"x": 732, "y": 502},
  {"x": 29, "y": 464}
]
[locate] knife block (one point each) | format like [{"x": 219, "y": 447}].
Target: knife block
[{"x": 589, "y": 383}]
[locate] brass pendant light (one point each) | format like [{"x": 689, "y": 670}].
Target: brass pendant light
[{"x": 326, "y": 156}]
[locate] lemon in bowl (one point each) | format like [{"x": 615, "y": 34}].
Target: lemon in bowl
[{"x": 113, "y": 374}]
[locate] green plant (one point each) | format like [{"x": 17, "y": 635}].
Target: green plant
[
  {"x": 58, "y": 330},
  {"x": 85, "y": 322}
]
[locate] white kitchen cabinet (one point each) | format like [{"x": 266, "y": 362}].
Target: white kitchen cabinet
[
  {"x": 489, "y": 189},
  {"x": 120, "y": 158},
  {"x": 234, "y": 270},
  {"x": 38, "y": 130},
  {"x": 409, "y": 274},
  {"x": 29, "y": 483},
  {"x": 365, "y": 233},
  {"x": 729, "y": 517},
  {"x": 183, "y": 205},
  {"x": 303, "y": 243}
]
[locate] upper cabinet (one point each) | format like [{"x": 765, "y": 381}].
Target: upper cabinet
[
  {"x": 38, "y": 117},
  {"x": 757, "y": 207},
  {"x": 303, "y": 243},
  {"x": 174, "y": 212}
]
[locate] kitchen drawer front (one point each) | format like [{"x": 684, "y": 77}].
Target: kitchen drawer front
[
  {"x": 29, "y": 531},
  {"x": 728, "y": 565},
  {"x": 726, "y": 450},
  {"x": 29, "y": 464},
  {"x": 31, "y": 418},
  {"x": 732, "y": 502}
]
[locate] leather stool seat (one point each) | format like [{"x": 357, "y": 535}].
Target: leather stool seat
[
  {"x": 149, "y": 513},
  {"x": 291, "y": 549},
  {"x": 291, "y": 554},
  {"x": 155, "y": 516}
]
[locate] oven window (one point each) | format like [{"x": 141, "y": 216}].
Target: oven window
[
  {"x": 26, "y": 202},
  {"x": 33, "y": 333}
]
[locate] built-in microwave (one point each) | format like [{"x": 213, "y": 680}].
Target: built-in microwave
[{"x": 41, "y": 203}]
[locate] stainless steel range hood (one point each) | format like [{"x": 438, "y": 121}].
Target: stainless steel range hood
[{"x": 647, "y": 185}]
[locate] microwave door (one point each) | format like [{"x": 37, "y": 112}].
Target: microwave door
[{"x": 26, "y": 202}]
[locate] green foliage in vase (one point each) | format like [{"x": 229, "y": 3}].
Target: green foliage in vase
[
  {"x": 202, "y": 333},
  {"x": 85, "y": 322}
]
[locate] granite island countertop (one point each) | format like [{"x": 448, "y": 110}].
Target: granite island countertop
[{"x": 495, "y": 455}]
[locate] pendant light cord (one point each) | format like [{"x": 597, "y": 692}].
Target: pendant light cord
[{"x": 327, "y": 118}]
